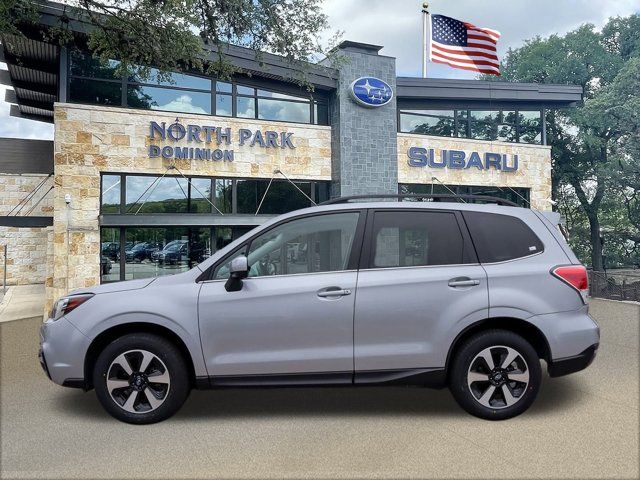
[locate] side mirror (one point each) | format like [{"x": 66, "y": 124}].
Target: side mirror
[{"x": 238, "y": 270}]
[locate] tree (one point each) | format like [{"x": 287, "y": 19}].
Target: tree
[
  {"x": 175, "y": 35},
  {"x": 589, "y": 142}
]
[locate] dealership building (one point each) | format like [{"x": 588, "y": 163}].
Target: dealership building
[{"x": 148, "y": 176}]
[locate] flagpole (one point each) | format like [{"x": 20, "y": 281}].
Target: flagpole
[{"x": 425, "y": 37}]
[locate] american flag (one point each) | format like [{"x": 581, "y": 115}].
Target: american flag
[{"x": 463, "y": 45}]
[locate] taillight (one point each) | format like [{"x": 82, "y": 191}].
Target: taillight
[{"x": 575, "y": 276}]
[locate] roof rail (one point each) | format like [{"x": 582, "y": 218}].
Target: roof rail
[{"x": 435, "y": 197}]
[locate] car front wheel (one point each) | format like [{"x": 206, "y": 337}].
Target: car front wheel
[
  {"x": 495, "y": 375},
  {"x": 141, "y": 378}
]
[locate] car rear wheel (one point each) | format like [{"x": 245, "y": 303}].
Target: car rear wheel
[
  {"x": 495, "y": 375},
  {"x": 141, "y": 378}
]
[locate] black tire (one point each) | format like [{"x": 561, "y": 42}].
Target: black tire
[
  {"x": 498, "y": 408},
  {"x": 168, "y": 359}
]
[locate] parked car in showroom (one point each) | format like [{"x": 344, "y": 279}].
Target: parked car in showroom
[
  {"x": 174, "y": 253},
  {"x": 155, "y": 255},
  {"x": 141, "y": 251},
  {"x": 111, "y": 250},
  {"x": 465, "y": 295}
]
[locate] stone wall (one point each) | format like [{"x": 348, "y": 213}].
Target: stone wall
[
  {"x": 26, "y": 247},
  {"x": 364, "y": 139},
  {"x": 92, "y": 139},
  {"x": 534, "y": 165}
]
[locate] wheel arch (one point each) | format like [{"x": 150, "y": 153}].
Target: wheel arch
[
  {"x": 521, "y": 327},
  {"x": 110, "y": 334}
]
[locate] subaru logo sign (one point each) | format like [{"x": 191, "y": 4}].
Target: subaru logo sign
[{"x": 371, "y": 92}]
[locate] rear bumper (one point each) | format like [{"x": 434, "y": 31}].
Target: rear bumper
[
  {"x": 565, "y": 366},
  {"x": 569, "y": 334}
]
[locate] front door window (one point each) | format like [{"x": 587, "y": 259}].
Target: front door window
[{"x": 320, "y": 243}]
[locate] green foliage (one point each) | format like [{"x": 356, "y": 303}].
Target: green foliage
[
  {"x": 596, "y": 167},
  {"x": 14, "y": 13},
  {"x": 175, "y": 35}
]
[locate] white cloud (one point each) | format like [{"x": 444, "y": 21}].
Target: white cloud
[{"x": 183, "y": 103}]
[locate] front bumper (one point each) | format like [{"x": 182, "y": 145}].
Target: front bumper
[
  {"x": 565, "y": 366},
  {"x": 62, "y": 352}
]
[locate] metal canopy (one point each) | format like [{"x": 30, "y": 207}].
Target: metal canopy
[
  {"x": 33, "y": 73},
  {"x": 469, "y": 93},
  {"x": 25, "y": 222},
  {"x": 25, "y": 156}
]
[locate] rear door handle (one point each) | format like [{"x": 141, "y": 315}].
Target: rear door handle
[
  {"x": 463, "y": 282},
  {"x": 338, "y": 292}
]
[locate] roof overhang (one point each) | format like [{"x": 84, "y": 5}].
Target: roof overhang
[
  {"x": 32, "y": 71},
  {"x": 447, "y": 93}
]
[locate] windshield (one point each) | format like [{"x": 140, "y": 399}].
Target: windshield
[{"x": 172, "y": 247}]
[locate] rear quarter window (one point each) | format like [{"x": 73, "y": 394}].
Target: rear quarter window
[{"x": 498, "y": 238}]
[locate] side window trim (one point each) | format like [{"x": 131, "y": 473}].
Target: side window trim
[
  {"x": 368, "y": 251},
  {"x": 354, "y": 255}
]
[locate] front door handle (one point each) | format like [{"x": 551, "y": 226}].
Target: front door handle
[
  {"x": 463, "y": 282},
  {"x": 337, "y": 292}
]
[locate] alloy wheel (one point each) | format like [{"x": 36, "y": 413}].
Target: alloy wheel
[
  {"x": 498, "y": 377},
  {"x": 138, "y": 381}
]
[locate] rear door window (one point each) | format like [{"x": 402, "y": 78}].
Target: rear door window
[
  {"x": 498, "y": 238},
  {"x": 411, "y": 239}
]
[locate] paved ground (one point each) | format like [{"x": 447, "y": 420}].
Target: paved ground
[
  {"x": 22, "y": 301},
  {"x": 582, "y": 426}
]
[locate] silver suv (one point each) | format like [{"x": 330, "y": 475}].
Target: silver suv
[{"x": 469, "y": 296}]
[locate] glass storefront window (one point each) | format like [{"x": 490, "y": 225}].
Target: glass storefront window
[
  {"x": 503, "y": 125},
  {"x": 109, "y": 254},
  {"x": 148, "y": 194},
  {"x": 322, "y": 192},
  {"x": 270, "y": 109},
  {"x": 320, "y": 114},
  {"x": 83, "y": 64},
  {"x": 160, "y": 251},
  {"x": 429, "y": 122},
  {"x": 506, "y": 133},
  {"x": 281, "y": 96},
  {"x": 171, "y": 79},
  {"x": 200, "y": 195},
  {"x": 530, "y": 127},
  {"x": 154, "y": 252},
  {"x": 222, "y": 195},
  {"x": 110, "y": 201},
  {"x": 224, "y": 87},
  {"x": 247, "y": 194},
  {"x": 223, "y": 237},
  {"x": 95, "y": 92},
  {"x": 242, "y": 90},
  {"x": 224, "y": 105},
  {"x": 246, "y": 107},
  {"x": 281, "y": 197},
  {"x": 157, "y": 98},
  {"x": 94, "y": 82}
]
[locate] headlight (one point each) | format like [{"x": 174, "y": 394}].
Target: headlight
[{"x": 67, "y": 304}]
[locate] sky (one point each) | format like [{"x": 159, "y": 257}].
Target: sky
[{"x": 397, "y": 25}]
